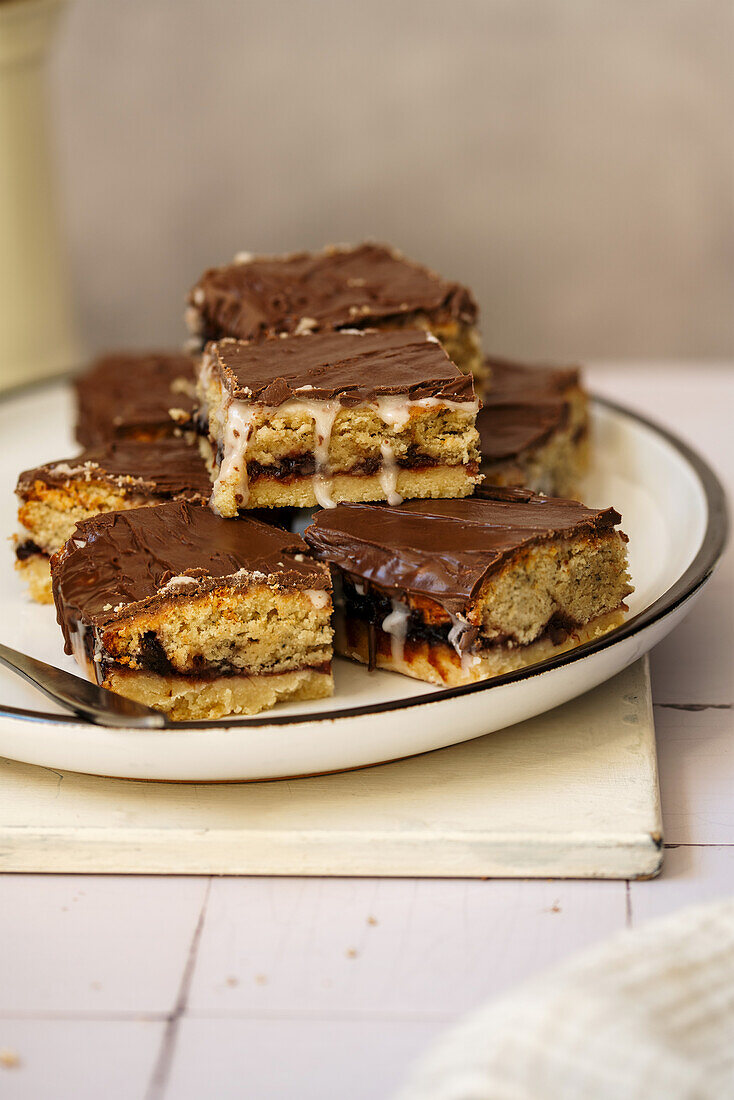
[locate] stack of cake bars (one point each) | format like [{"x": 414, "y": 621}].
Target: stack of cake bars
[{"x": 448, "y": 544}]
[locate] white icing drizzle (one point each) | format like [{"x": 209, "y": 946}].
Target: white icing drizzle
[
  {"x": 389, "y": 474},
  {"x": 238, "y": 428},
  {"x": 471, "y": 407},
  {"x": 396, "y": 625},
  {"x": 322, "y": 491},
  {"x": 458, "y": 628},
  {"x": 240, "y": 417},
  {"x": 456, "y": 633},
  {"x": 394, "y": 411},
  {"x": 323, "y": 414}
]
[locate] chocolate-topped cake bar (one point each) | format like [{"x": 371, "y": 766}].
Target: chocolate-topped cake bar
[
  {"x": 534, "y": 428},
  {"x": 194, "y": 615},
  {"x": 366, "y": 286},
  {"x": 127, "y": 474},
  {"x": 454, "y": 591},
  {"x": 353, "y": 415},
  {"x": 130, "y": 395}
]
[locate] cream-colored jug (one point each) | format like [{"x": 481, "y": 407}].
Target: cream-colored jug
[{"x": 37, "y": 335}]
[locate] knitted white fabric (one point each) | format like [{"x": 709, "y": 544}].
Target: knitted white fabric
[{"x": 648, "y": 1015}]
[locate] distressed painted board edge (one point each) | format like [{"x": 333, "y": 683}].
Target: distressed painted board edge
[
  {"x": 168, "y": 838},
  {"x": 156, "y": 852}
]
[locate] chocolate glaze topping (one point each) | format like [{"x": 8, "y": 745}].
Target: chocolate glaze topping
[
  {"x": 130, "y": 394},
  {"x": 524, "y": 406},
  {"x": 445, "y": 549},
  {"x": 349, "y": 367},
  {"x": 167, "y": 467},
  {"x": 117, "y": 563},
  {"x": 336, "y": 288}
]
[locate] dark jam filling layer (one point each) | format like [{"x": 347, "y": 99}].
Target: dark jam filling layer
[
  {"x": 293, "y": 467},
  {"x": 373, "y": 607},
  {"x": 152, "y": 658},
  {"x": 29, "y": 549}
]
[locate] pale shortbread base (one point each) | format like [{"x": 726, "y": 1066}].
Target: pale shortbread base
[
  {"x": 189, "y": 699},
  {"x": 439, "y": 663},
  {"x": 235, "y": 650},
  {"x": 434, "y": 481},
  {"x": 36, "y": 572}
]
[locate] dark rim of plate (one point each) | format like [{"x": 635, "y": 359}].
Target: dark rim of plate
[{"x": 697, "y": 573}]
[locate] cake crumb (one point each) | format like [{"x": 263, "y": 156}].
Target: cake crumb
[{"x": 9, "y": 1059}]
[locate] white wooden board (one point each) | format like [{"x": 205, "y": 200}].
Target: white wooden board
[{"x": 572, "y": 793}]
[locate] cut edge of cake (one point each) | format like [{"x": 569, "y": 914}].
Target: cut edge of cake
[
  {"x": 550, "y": 593},
  {"x": 194, "y": 645}
]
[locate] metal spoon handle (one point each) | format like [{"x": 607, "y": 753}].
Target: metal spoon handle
[{"x": 84, "y": 698}]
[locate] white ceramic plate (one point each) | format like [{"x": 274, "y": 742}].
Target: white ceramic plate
[{"x": 673, "y": 510}]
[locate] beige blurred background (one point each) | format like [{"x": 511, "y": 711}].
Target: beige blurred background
[{"x": 571, "y": 160}]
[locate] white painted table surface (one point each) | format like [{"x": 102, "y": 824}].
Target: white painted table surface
[{"x": 143, "y": 988}]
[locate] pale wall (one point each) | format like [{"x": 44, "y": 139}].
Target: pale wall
[{"x": 571, "y": 161}]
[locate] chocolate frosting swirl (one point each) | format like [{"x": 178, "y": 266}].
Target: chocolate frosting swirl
[
  {"x": 336, "y": 288},
  {"x": 350, "y": 367},
  {"x": 445, "y": 549}
]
